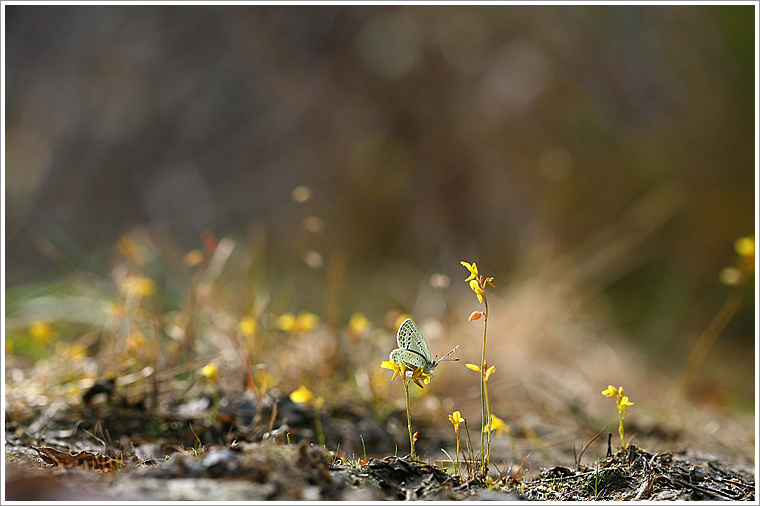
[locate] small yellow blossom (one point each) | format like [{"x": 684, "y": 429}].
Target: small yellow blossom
[
  {"x": 477, "y": 289},
  {"x": 264, "y": 380},
  {"x": 456, "y": 419},
  {"x": 193, "y": 257},
  {"x": 74, "y": 351},
  {"x": 473, "y": 270},
  {"x": 393, "y": 366},
  {"x": 304, "y": 322},
  {"x": 210, "y": 372},
  {"x": 358, "y": 324},
  {"x": 498, "y": 425},
  {"x": 302, "y": 395},
  {"x": 286, "y": 322},
  {"x": 138, "y": 285},
  {"x": 622, "y": 403},
  {"x": 745, "y": 246},
  {"x": 41, "y": 332},
  {"x": 421, "y": 377},
  {"x": 738, "y": 274},
  {"x": 489, "y": 371},
  {"x": 247, "y": 326}
]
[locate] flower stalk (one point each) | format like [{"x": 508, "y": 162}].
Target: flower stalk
[
  {"x": 408, "y": 375},
  {"x": 455, "y": 419},
  {"x": 304, "y": 396},
  {"x": 622, "y": 404},
  {"x": 478, "y": 285}
]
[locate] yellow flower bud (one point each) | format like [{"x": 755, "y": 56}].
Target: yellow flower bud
[{"x": 302, "y": 395}]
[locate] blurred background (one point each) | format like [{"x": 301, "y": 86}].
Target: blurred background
[{"x": 597, "y": 161}]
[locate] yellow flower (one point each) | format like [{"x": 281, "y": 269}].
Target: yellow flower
[
  {"x": 393, "y": 366},
  {"x": 286, "y": 322},
  {"x": 489, "y": 371},
  {"x": 456, "y": 418},
  {"x": 473, "y": 270},
  {"x": 210, "y": 372},
  {"x": 247, "y": 326},
  {"x": 74, "y": 352},
  {"x": 623, "y": 402},
  {"x": 358, "y": 324},
  {"x": 498, "y": 425},
  {"x": 421, "y": 377},
  {"x": 745, "y": 247},
  {"x": 138, "y": 285},
  {"x": 264, "y": 380},
  {"x": 193, "y": 257},
  {"x": 41, "y": 332},
  {"x": 302, "y": 395},
  {"x": 477, "y": 289},
  {"x": 306, "y": 321}
]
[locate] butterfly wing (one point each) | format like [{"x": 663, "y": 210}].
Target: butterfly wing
[
  {"x": 407, "y": 357},
  {"x": 410, "y": 338}
]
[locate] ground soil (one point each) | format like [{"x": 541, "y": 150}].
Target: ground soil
[{"x": 102, "y": 447}]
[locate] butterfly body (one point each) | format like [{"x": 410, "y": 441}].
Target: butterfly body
[{"x": 412, "y": 348}]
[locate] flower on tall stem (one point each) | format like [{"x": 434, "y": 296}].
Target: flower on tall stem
[
  {"x": 456, "y": 418},
  {"x": 622, "y": 404},
  {"x": 478, "y": 284},
  {"x": 303, "y": 395},
  {"x": 420, "y": 377}
]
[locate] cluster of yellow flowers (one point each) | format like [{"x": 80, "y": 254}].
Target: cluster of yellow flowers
[{"x": 293, "y": 324}]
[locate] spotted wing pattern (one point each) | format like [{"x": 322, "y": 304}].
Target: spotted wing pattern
[
  {"x": 412, "y": 348},
  {"x": 410, "y": 338},
  {"x": 407, "y": 357}
]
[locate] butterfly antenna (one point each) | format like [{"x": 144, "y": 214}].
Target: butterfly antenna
[{"x": 443, "y": 358}]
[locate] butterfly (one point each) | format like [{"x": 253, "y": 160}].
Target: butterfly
[{"x": 413, "y": 350}]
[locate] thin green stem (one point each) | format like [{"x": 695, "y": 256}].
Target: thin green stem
[
  {"x": 621, "y": 430},
  {"x": 409, "y": 415},
  {"x": 485, "y": 411},
  {"x": 488, "y": 417},
  {"x": 456, "y": 465}
]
